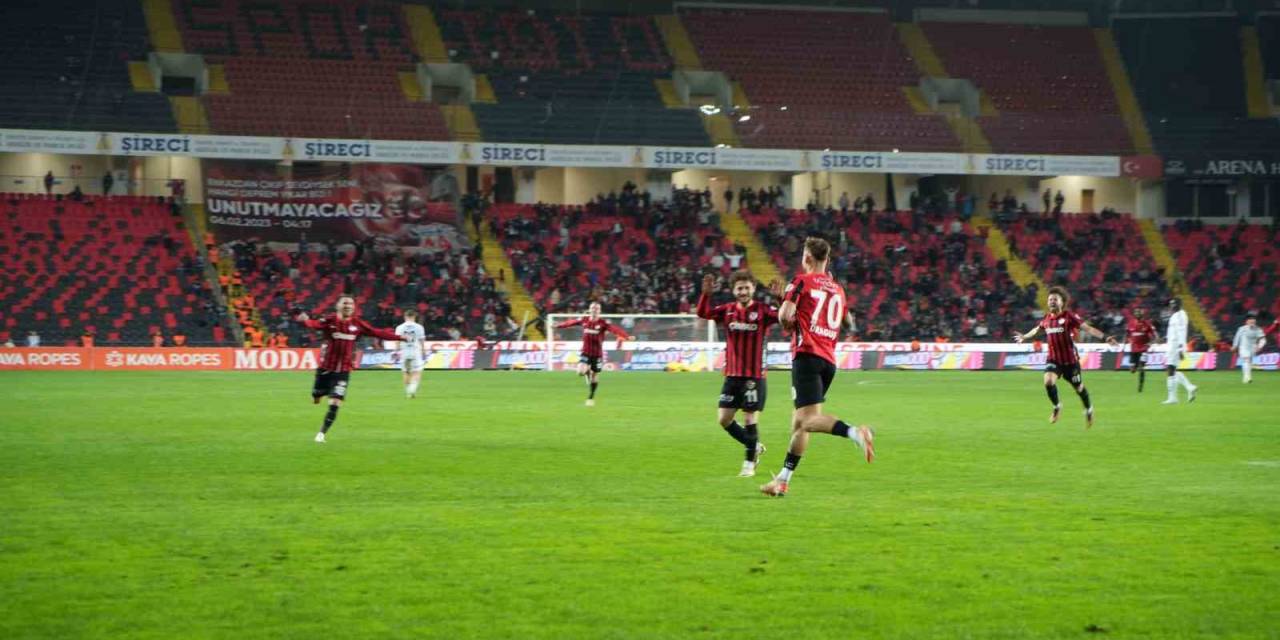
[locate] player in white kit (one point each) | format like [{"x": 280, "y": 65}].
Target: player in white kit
[
  {"x": 1176, "y": 339},
  {"x": 1249, "y": 340},
  {"x": 412, "y": 356}
]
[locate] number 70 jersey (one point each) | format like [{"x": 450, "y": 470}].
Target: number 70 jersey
[{"x": 820, "y": 309}]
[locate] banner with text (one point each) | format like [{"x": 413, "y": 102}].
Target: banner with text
[
  {"x": 390, "y": 203},
  {"x": 440, "y": 153}
]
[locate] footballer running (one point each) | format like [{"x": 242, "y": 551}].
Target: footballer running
[
  {"x": 337, "y": 355},
  {"x": 593, "y": 329},
  {"x": 746, "y": 322},
  {"x": 813, "y": 310},
  {"x": 1059, "y": 327}
]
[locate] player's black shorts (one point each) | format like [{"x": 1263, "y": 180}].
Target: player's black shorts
[
  {"x": 811, "y": 376},
  {"x": 747, "y": 394},
  {"x": 330, "y": 383},
  {"x": 593, "y": 362},
  {"x": 1069, "y": 371},
  {"x": 1137, "y": 360}
]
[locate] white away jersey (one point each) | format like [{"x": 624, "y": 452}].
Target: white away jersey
[
  {"x": 411, "y": 336},
  {"x": 1247, "y": 339},
  {"x": 1176, "y": 333}
]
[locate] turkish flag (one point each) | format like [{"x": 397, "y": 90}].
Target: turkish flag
[{"x": 1146, "y": 167}]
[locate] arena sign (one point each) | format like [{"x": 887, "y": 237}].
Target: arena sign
[{"x": 582, "y": 156}]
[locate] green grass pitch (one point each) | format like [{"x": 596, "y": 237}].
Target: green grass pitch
[{"x": 160, "y": 505}]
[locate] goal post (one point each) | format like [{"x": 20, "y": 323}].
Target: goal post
[{"x": 645, "y": 327}]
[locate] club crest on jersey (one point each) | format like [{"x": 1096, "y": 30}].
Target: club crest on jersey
[
  {"x": 1062, "y": 320},
  {"x": 752, "y": 317}
]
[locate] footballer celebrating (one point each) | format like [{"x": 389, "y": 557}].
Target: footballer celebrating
[
  {"x": 337, "y": 355},
  {"x": 813, "y": 310},
  {"x": 746, "y": 322},
  {"x": 593, "y": 330},
  {"x": 412, "y": 352},
  {"x": 1059, "y": 327},
  {"x": 1141, "y": 332}
]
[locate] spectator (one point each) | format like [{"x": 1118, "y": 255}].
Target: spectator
[
  {"x": 107, "y": 182},
  {"x": 48, "y": 183},
  {"x": 76, "y": 194},
  {"x": 1046, "y": 196},
  {"x": 1058, "y": 200},
  {"x": 728, "y": 200},
  {"x": 844, "y": 201},
  {"x": 33, "y": 339}
]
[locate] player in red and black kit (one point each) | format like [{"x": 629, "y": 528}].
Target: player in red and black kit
[
  {"x": 1141, "y": 332},
  {"x": 814, "y": 311},
  {"x": 745, "y": 322},
  {"x": 593, "y": 330},
  {"x": 1272, "y": 331},
  {"x": 337, "y": 355},
  {"x": 1059, "y": 327}
]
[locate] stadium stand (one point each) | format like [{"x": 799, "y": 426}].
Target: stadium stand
[
  {"x": 844, "y": 92},
  {"x": 1101, "y": 259},
  {"x": 1232, "y": 269},
  {"x": 120, "y": 268},
  {"x": 633, "y": 257},
  {"x": 909, "y": 275},
  {"x": 1048, "y": 85},
  {"x": 307, "y": 68},
  {"x": 1194, "y": 96},
  {"x": 455, "y": 299},
  {"x": 570, "y": 79},
  {"x": 64, "y": 67}
]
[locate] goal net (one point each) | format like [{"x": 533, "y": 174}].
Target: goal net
[{"x": 651, "y": 331}]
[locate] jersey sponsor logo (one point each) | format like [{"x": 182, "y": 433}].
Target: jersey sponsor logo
[
  {"x": 744, "y": 326},
  {"x": 343, "y": 336},
  {"x": 1053, "y": 330}
]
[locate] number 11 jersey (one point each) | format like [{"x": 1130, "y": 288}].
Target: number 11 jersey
[{"x": 820, "y": 310}]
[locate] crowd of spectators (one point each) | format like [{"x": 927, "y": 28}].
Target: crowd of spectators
[{"x": 455, "y": 297}]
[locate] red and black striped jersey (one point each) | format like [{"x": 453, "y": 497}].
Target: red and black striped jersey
[
  {"x": 745, "y": 329},
  {"x": 340, "y": 334},
  {"x": 1060, "y": 331},
  {"x": 593, "y": 334},
  {"x": 820, "y": 312}
]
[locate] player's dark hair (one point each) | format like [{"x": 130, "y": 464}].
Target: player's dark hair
[
  {"x": 818, "y": 248},
  {"x": 739, "y": 276},
  {"x": 410, "y": 313},
  {"x": 1061, "y": 292}
]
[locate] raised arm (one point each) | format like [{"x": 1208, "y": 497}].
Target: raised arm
[{"x": 705, "y": 310}]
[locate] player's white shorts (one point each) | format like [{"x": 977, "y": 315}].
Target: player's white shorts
[
  {"x": 1174, "y": 356},
  {"x": 411, "y": 364}
]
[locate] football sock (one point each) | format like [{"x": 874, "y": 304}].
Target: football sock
[
  {"x": 736, "y": 432},
  {"x": 1084, "y": 397},
  {"x": 753, "y": 438},
  {"x": 845, "y": 431},
  {"x": 1052, "y": 390},
  {"x": 788, "y": 467},
  {"x": 592, "y": 395},
  {"x": 329, "y": 417},
  {"x": 1186, "y": 384},
  {"x": 1172, "y": 383},
  {"x": 1142, "y": 377},
  {"x": 411, "y": 388}
]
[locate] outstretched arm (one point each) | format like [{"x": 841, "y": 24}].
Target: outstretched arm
[
  {"x": 382, "y": 334},
  {"x": 1023, "y": 337},
  {"x": 307, "y": 322},
  {"x": 1097, "y": 333},
  {"x": 569, "y": 323}
]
